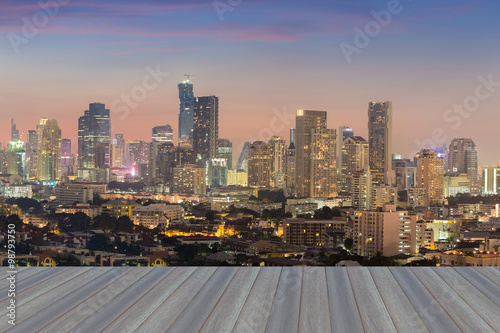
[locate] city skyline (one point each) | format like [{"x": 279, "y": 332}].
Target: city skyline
[{"x": 423, "y": 75}]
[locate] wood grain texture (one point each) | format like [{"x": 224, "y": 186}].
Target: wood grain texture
[{"x": 256, "y": 299}]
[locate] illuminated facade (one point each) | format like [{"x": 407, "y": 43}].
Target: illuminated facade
[
  {"x": 354, "y": 156},
  {"x": 430, "y": 176},
  {"x": 462, "y": 158},
  {"x": 94, "y": 133},
  {"x": 186, "y": 98},
  {"x": 380, "y": 141},
  {"x": 259, "y": 165},
  {"x": 49, "y": 151}
]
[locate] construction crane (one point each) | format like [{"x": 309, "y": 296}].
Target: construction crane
[{"x": 188, "y": 75}]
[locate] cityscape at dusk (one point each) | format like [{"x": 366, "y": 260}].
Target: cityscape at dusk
[{"x": 241, "y": 166}]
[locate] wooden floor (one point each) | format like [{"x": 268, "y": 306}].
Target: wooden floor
[{"x": 267, "y": 299}]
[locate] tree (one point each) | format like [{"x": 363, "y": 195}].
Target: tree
[
  {"x": 98, "y": 242},
  {"x": 104, "y": 222},
  {"x": 124, "y": 224},
  {"x": 348, "y": 244}
]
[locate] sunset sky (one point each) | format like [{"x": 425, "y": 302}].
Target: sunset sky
[{"x": 261, "y": 58}]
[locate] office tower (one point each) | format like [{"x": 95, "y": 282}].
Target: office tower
[
  {"x": 14, "y": 132},
  {"x": 430, "y": 176},
  {"x": 15, "y": 158},
  {"x": 49, "y": 151},
  {"x": 162, "y": 161},
  {"x": 94, "y": 129},
  {"x": 190, "y": 179},
  {"x": 380, "y": 141},
  {"x": 292, "y": 136},
  {"x": 290, "y": 167},
  {"x": 163, "y": 134},
  {"x": 218, "y": 167},
  {"x": 315, "y": 155},
  {"x": 354, "y": 157},
  {"x": 66, "y": 166},
  {"x": 259, "y": 164},
  {"x": 490, "y": 181},
  {"x": 462, "y": 158},
  {"x": 137, "y": 153},
  {"x": 118, "y": 156},
  {"x": 243, "y": 158},
  {"x": 405, "y": 172},
  {"x": 184, "y": 155},
  {"x": 186, "y": 98},
  {"x": 205, "y": 128},
  {"x": 278, "y": 153},
  {"x": 225, "y": 151},
  {"x": 343, "y": 133},
  {"x": 31, "y": 153},
  {"x": 361, "y": 189}
]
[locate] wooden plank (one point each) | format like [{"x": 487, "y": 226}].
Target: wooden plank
[
  {"x": 198, "y": 310},
  {"x": 39, "y": 287},
  {"x": 133, "y": 316},
  {"x": 314, "y": 307},
  {"x": 284, "y": 316},
  {"x": 37, "y": 315},
  {"x": 225, "y": 313},
  {"x": 481, "y": 282},
  {"x": 374, "y": 315},
  {"x": 474, "y": 298},
  {"x": 104, "y": 304},
  {"x": 492, "y": 274},
  {"x": 254, "y": 315},
  {"x": 429, "y": 310},
  {"x": 400, "y": 309},
  {"x": 344, "y": 313},
  {"x": 463, "y": 316},
  {"x": 22, "y": 272},
  {"x": 168, "y": 311}
]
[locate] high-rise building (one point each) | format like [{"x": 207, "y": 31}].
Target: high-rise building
[
  {"x": 31, "y": 154},
  {"x": 15, "y": 158},
  {"x": 237, "y": 177},
  {"x": 14, "y": 132},
  {"x": 190, "y": 179},
  {"x": 455, "y": 183},
  {"x": 292, "y": 136},
  {"x": 290, "y": 167},
  {"x": 278, "y": 154},
  {"x": 462, "y": 158},
  {"x": 259, "y": 164},
  {"x": 162, "y": 161},
  {"x": 243, "y": 158},
  {"x": 49, "y": 151},
  {"x": 206, "y": 128},
  {"x": 225, "y": 151},
  {"x": 94, "y": 130},
  {"x": 430, "y": 175},
  {"x": 361, "y": 189},
  {"x": 66, "y": 165},
  {"x": 137, "y": 153},
  {"x": 380, "y": 141},
  {"x": 315, "y": 155},
  {"x": 405, "y": 172},
  {"x": 343, "y": 133},
  {"x": 490, "y": 180},
  {"x": 354, "y": 157},
  {"x": 186, "y": 98},
  {"x": 163, "y": 134},
  {"x": 118, "y": 156}
]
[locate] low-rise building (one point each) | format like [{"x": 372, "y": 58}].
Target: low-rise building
[
  {"x": 119, "y": 207},
  {"x": 300, "y": 231},
  {"x": 89, "y": 210}
]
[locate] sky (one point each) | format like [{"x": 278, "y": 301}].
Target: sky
[{"x": 436, "y": 61}]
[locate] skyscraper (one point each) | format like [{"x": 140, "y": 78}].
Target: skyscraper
[
  {"x": 15, "y": 157},
  {"x": 259, "y": 164},
  {"x": 118, "y": 155},
  {"x": 186, "y": 98},
  {"x": 380, "y": 141},
  {"x": 66, "y": 166},
  {"x": 290, "y": 167},
  {"x": 315, "y": 155},
  {"x": 278, "y": 153},
  {"x": 31, "y": 154},
  {"x": 206, "y": 132},
  {"x": 206, "y": 128},
  {"x": 343, "y": 133},
  {"x": 462, "y": 158},
  {"x": 49, "y": 151},
  {"x": 14, "y": 132},
  {"x": 94, "y": 130},
  {"x": 225, "y": 151},
  {"x": 354, "y": 156},
  {"x": 430, "y": 176},
  {"x": 243, "y": 158}
]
